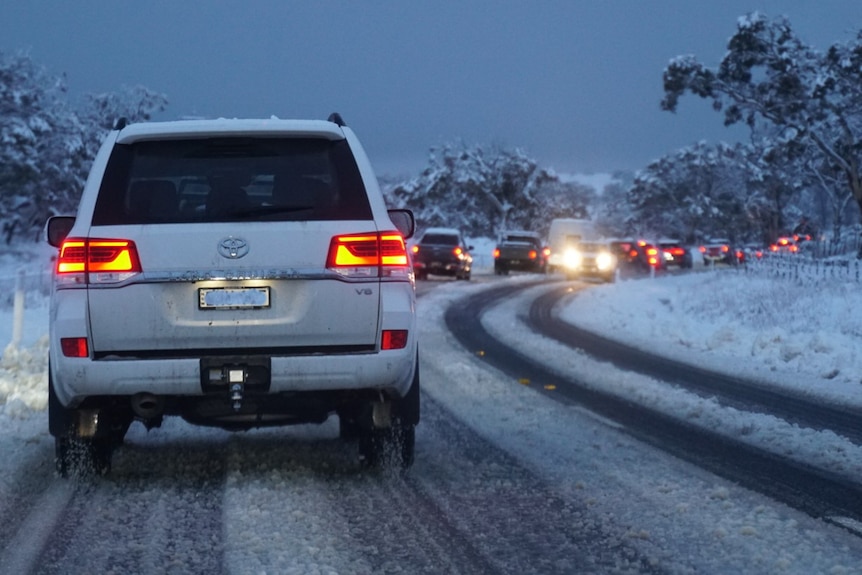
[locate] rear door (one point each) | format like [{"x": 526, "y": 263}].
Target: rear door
[
  {"x": 233, "y": 236},
  {"x": 192, "y": 295}
]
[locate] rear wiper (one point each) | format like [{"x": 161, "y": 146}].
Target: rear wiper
[{"x": 270, "y": 210}]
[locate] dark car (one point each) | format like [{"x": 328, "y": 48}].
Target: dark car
[
  {"x": 519, "y": 251},
  {"x": 637, "y": 256},
  {"x": 675, "y": 254},
  {"x": 442, "y": 251}
]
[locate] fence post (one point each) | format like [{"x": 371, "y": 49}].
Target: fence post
[{"x": 18, "y": 310}]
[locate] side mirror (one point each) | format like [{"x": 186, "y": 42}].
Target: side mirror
[
  {"x": 404, "y": 222},
  {"x": 57, "y": 228}
]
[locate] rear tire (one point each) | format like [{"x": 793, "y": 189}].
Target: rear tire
[
  {"x": 392, "y": 448},
  {"x": 76, "y": 457}
]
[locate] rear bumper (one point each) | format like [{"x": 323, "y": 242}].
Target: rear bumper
[
  {"x": 440, "y": 268},
  {"x": 518, "y": 264},
  {"x": 75, "y": 379}
]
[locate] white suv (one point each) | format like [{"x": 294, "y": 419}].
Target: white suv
[{"x": 236, "y": 273}]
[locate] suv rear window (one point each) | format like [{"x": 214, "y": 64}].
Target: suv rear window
[
  {"x": 231, "y": 179},
  {"x": 440, "y": 239}
]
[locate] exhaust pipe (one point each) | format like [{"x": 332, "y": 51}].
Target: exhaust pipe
[{"x": 148, "y": 405}]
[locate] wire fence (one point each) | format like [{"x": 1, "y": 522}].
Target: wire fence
[
  {"x": 35, "y": 284},
  {"x": 805, "y": 269}
]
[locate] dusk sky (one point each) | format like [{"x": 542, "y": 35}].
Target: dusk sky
[{"x": 575, "y": 84}]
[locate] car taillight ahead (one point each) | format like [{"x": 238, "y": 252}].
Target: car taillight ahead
[
  {"x": 496, "y": 253},
  {"x": 98, "y": 260},
  {"x": 376, "y": 254},
  {"x": 533, "y": 255}
]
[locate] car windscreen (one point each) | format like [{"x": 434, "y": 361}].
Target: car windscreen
[{"x": 231, "y": 179}]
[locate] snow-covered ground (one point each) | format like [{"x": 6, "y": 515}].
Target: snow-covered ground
[{"x": 801, "y": 338}]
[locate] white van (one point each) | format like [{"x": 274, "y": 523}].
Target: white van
[{"x": 567, "y": 233}]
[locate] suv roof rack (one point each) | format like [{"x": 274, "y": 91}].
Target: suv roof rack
[{"x": 336, "y": 118}]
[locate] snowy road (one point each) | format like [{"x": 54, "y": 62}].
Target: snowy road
[
  {"x": 187, "y": 500},
  {"x": 506, "y": 480}
]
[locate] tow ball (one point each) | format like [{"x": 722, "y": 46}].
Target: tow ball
[
  {"x": 236, "y": 385},
  {"x": 232, "y": 378}
]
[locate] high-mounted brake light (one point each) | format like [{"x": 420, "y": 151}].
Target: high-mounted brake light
[
  {"x": 98, "y": 260},
  {"x": 368, "y": 255}
]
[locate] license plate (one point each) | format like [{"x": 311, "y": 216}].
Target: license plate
[{"x": 233, "y": 298}]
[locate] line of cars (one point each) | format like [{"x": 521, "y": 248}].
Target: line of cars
[{"x": 573, "y": 249}]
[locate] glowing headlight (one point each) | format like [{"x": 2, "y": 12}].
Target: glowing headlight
[
  {"x": 572, "y": 258},
  {"x": 604, "y": 261}
]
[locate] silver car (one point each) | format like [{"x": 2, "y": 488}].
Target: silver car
[{"x": 235, "y": 273}]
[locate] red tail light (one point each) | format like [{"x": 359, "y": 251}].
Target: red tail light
[
  {"x": 375, "y": 254},
  {"x": 496, "y": 253},
  {"x": 98, "y": 260},
  {"x": 74, "y": 346},
  {"x": 394, "y": 339},
  {"x": 546, "y": 252},
  {"x": 533, "y": 255}
]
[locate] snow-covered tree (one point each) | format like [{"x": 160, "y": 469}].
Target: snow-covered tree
[
  {"x": 47, "y": 146},
  {"x": 692, "y": 194},
  {"x": 768, "y": 75},
  {"x": 41, "y": 146},
  {"x": 481, "y": 192},
  {"x": 100, "y": 112}
]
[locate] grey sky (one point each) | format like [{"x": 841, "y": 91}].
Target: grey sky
[{"x": 575, "y": 84}]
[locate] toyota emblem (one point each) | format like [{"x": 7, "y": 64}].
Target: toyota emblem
[{"x": 233, "y": 248}]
